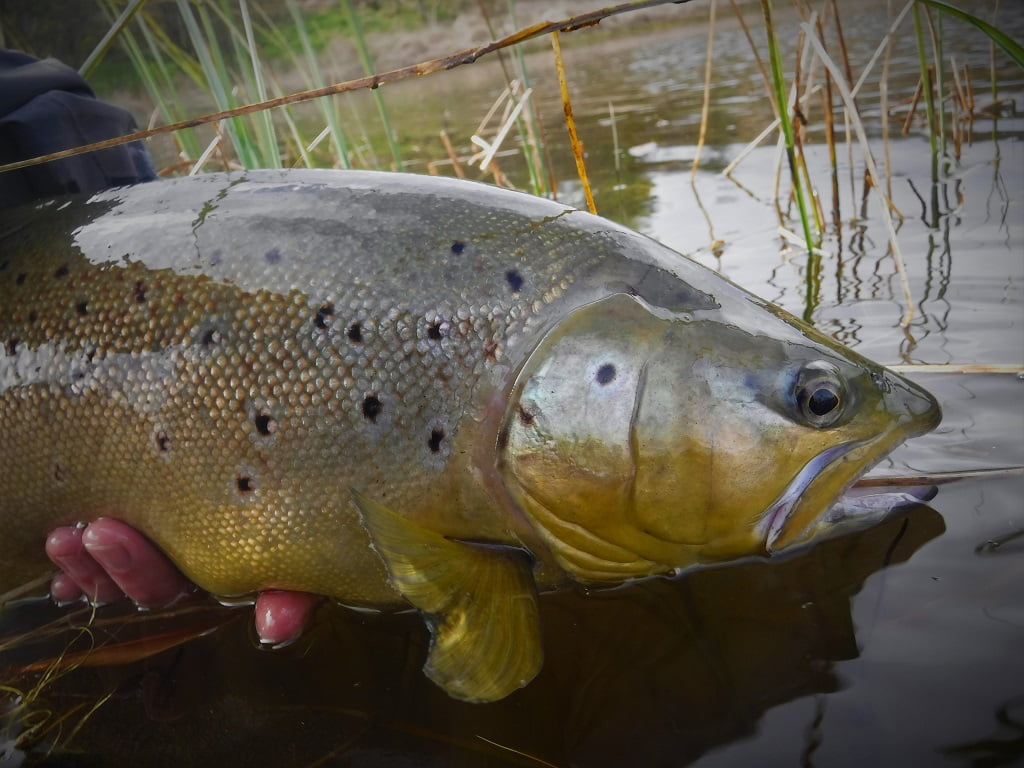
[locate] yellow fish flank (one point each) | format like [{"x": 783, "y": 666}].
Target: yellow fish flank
[{"x": 394, "y": 389}]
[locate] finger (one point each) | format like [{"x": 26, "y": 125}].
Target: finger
[
  {"x": 64, "y": 547},
  {"x": 63, "y": 589},
  {"x": 282, "y": 616},
  {"x": 134, "y": 563}
]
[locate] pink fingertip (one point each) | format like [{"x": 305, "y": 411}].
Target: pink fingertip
[
  {"x": 281, "y": 616},
  {"x": 63, "y": 589},
  {"x": 63, "y": 542},
  {"x": 64, "y": 547},
  {"x": 141, "y": 570}
]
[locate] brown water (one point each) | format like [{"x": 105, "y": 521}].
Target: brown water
[{"x": 901, "y": 645}]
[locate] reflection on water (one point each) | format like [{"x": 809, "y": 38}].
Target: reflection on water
[
  {"x": 681, "y": 666},
  {"x": 827, "y": 658}
]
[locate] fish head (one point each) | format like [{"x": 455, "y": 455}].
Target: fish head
[{"x": 639, "y": 440}]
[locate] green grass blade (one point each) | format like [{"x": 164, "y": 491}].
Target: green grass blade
[
  {"x": 269, "y": 150},
  {"x": 1012, "y": 48},
  {"x": 364, "y": 56},
  {"x": 104, "y": 44},
  {"x": 786, "y": 123},
  {"x": 216, "y": 80},
  {"x": 327, "y": 106}
]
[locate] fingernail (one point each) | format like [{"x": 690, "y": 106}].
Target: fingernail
[{"x": 113, "y": 557}]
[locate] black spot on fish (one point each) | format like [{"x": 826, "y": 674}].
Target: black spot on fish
[
  {"x": 355, "y": 332},
  {"x": 265, "y": 424},
  {"x": 436, "y": 436},
  {"x": 525, "y": 417},
  {"x": 434, "y": 331},
  {"x": 272, "y": 256},
  {"x": 372, "y": 407},
  {"x": 62, "y": 271},
  {"x": 20, "y": 279},
  {"x": 162, "y": 440},
  {"x": 82, "y": 308},
  {"x": 90, "y": 353},
  {"x": 458, "y": 247},
  {"x": 11, "y": 345},
  {"x": 32, "y": 316},
  {"x": 139, "y": 291},
  {"x": 245, "y": 484},
  {"x": 60, "y": 472},
  {"x": 210, "y": 337},
  {"x": 323, "y": 316},
  {"x": 514, "y": 280},
  {"x": 502, "y": 438},
  {"x": 605, "y": 374}
]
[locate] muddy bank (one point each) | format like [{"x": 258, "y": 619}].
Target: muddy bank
[{"x": 469, "y": 29}]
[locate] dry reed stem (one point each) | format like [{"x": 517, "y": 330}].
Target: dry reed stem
[
  {"x": 456, "y": 165},
  {"x": 938, "y": 478},
  {"x": 443, "y": 63},
  {"x": 706, "y": 101},
  {"x": 1000, "y": 368},
  {"x": 869, "y": 163},
  {"x": 716, "y": 244},
  {"x": 570, "y": 123}
]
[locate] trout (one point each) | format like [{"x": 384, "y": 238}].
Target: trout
[{"x": 400, "y": 390}]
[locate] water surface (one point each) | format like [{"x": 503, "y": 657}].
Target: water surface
[{"x": 898, "y": 645}]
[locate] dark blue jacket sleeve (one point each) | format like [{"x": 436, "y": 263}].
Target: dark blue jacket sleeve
[{"x": 45, "y": 106}]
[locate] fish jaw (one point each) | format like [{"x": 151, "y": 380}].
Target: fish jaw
[
  {"x": 774, "y": 520},
  {"x": 800, "y": 513}
]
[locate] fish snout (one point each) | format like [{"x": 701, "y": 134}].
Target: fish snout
[{"x": 918, "y": 410}]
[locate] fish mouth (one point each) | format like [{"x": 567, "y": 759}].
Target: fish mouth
[
  {"x": 816, "y": 494},
  {"x": 773, "y": 521}
]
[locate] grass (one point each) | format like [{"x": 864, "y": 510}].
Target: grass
[
  {"x": 234, "y": 57},
  {"x": 235, "y": 50}
]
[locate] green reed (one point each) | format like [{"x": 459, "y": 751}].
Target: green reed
[
  {"x": 108, "y": 39},
  {"x": 315, "y": 79},
  {"x": 364, "y": 56},
  {"x": 1013, "y": 48},
  {"x": 778, "y": 82}
]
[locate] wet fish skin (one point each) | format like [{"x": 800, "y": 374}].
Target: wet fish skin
[{"x": 268, "y": 373}]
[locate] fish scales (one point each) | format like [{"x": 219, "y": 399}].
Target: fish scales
[
  {"x": 387, "y": 389},
  {"x": 236, "y": 357}
]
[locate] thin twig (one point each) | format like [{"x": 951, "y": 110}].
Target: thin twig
[
  {"x": 1002, "y": 368},
  {"x": 467, "y": 56},
  {"x": 938, "y": 478}
]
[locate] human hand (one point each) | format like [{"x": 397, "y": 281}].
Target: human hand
[{"x": 108, "y": 559}]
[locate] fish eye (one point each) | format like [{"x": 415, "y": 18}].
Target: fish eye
[{"x": 820, "y": 395}]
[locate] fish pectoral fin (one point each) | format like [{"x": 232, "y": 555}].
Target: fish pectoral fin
[{"x": 479, "y": 601}]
